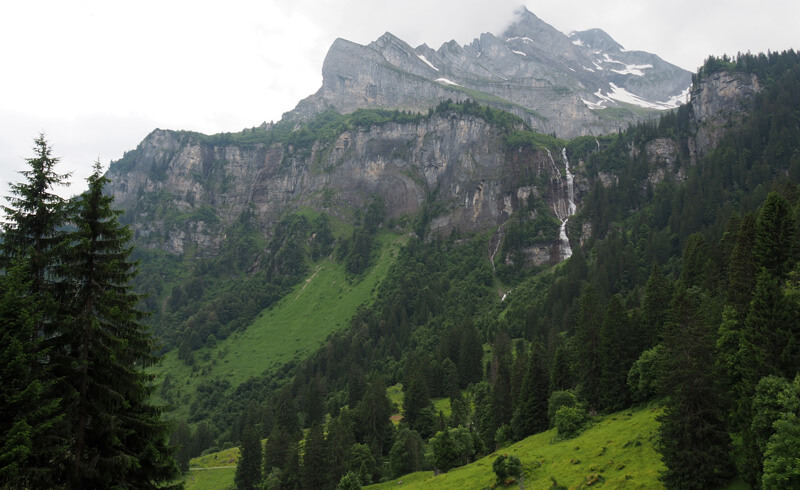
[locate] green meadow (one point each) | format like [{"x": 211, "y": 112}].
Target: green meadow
[{"x": 290, "y": 329}]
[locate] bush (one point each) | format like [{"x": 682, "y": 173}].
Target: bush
[
  {"x": 349, "y": 481},
  {"x": 643, "y": 376},
  {"x": 504, "y": 436},
  {"x": 507, "y": 469},
  {"x": 570, "y": 421},
  {"x": 557, "y": 400}
]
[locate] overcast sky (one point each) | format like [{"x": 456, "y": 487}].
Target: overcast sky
[{"x": 96, "y": 76}]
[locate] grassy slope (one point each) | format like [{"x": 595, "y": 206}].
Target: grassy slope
[
  {"x": 619, "y": 447},
  {"x": 292, "y": 328}
]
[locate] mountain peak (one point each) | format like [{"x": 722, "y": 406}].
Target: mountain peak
[
  {"x": 527, "y": 24},
  {"x": 596, "y": 39}
]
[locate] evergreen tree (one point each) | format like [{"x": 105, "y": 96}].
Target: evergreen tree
[
  {"x": 340, "y": 440},
  {"x": 561, "y": 372},
  {"x": 35, "y": 216},
  {"x": 501, "y": 400},
  {"x": 372, "y": 416},
  {"x": 617, "y": 343},
  {"x": 118, "y": 435},
  {"x": 276, "y": 448},
  {"x": 315, "y": 459},
  {"x": 587, "y": 347},
  {"x": 655, "y": 305},
  {"x": 33, "y": 428},
  {"x": 774, "y": 235},
  {"x": 530, "y": 413},
  {"x": 470, "y": 356},
  {"x": 32, "y": 441},
  {"x": 742, "y": 270},
  {"x": 416, "y": 396},
  {"x": 694, "y": 442},
  {"x": 248, "y": 469},
  {"x": 183, "y": 442}
]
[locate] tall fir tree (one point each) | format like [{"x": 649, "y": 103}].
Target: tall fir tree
[
  {"x": 35, "y": 219},
  {"x": 31, "y": 422},
  {"x": 774, "y": 235},
  {"x": 315, "y": 471},
  {"x": 530, "y": 413},
  {"x": 655, "y": 305},
  {"x": 618, "y": 352},
  {"x": 34, "y": 428},
  {"x": 743, "y": 269},
  {"x": 587, "y": 347},
  {"x": 248, "y": 469},
  {"x": 693, "y": 438},
  {"x": 118, "y": 434}
]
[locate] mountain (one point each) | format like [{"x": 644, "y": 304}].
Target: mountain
[
  {"x": 476, "y": 258},
  {"x": 570, "y": 85}
]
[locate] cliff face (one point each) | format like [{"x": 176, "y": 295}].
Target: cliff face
[
  {"x": 719, "y": 102},
  {"x": 180, "y": 190}
]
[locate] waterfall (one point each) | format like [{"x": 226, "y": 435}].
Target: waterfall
[{"x": 566, "y": 250}]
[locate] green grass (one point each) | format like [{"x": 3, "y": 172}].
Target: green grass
[
  {"x": 291, "y": 329},
  {"x": 214, "y": 479},
  {"x": 618, "y": 447}
]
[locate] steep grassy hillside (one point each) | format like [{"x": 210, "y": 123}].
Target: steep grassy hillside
[
  {"x": 617, "y": 451},
  {"x": 292, "y": 328}
]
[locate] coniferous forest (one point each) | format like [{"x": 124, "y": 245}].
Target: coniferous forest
[{"x": 686, "y": 296}]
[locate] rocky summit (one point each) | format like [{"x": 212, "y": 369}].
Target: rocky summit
[{"x": 571, "y": 85}]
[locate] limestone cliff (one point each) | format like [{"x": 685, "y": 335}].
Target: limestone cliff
[{"x": 182, "y": 189}]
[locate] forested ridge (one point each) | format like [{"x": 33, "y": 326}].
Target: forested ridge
[{"x": 685, "y": 294}]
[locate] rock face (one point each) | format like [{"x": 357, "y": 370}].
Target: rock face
[
  {"x": 557, "y": 83},
  {"x": 185, "y": 191},
  {"x": 719, "y": 102},
  {"x": 182, "y": 190}
]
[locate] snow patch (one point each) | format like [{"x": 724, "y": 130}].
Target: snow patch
[
  {"x": 525, "y": 39},
  {"x": 447, "y": 82},
  {"x": 633, "y": 70},
  {"x": 619, "y": 94},
  {"x": 519, "y": 53},
  {"x": 578, "y": 42},
  {"x": 427, "y": 62}
]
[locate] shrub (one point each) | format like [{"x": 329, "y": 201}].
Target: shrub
[
  {"x": 557, "y": 400},
  {"x": 507, "y": 469},
  {"x": 570, "y": 421}
]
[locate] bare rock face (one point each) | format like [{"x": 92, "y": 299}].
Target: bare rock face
[
  {"x": 719, "y": 102},
  {"x": 557, "y": 83},
  {"x": 181, "y": 189}
]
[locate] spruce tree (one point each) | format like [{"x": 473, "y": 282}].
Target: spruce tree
[
  {"x": 743, "y": 270},
  {"x": 530, "y": 413},
  {"x": 35, "y": 216},
  {"x": 31, "y": 423},
  {"x": 774, "y": 235},
  {"x": 655, "y": 305},
  {"x": 587, "y": 347},
  {"x": 617, "y": 344},
  {"x": 693, "y": 439},
  {"x": 33, "y": 427},
  {"x": 315, "y": 461},
  {"x": 248, "y": 469},
  {"x": 118, "y": 436}
]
